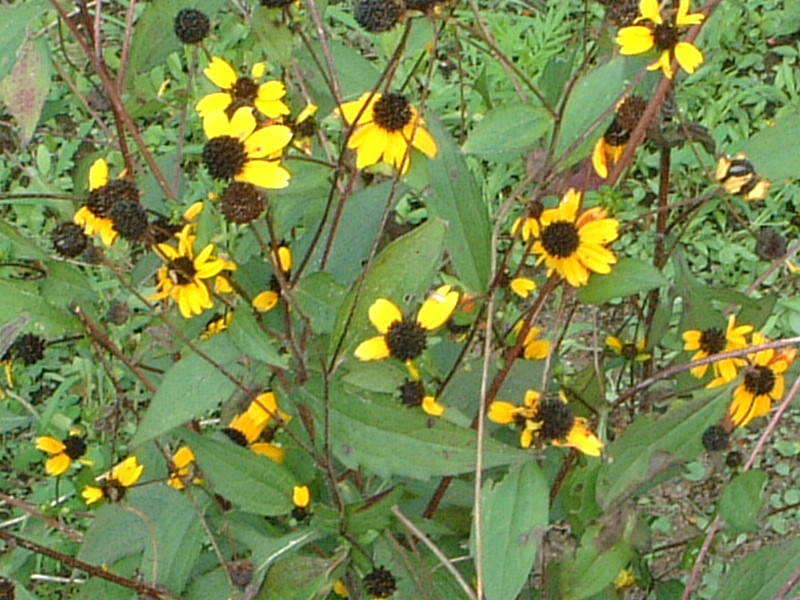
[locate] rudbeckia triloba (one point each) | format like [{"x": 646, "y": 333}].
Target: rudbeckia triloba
[
  {"x": 403, "y": 338},
  {"x": 182, "y": 467},
  {"x": 235, "y": 150},
  {"x": 216, "y": 325},
  {"x": 62, "y": 452},
  {"x": 268, "y": 299},
  {"x": 412, "y": 393},
  {"x": 242, "y": 91},
  {"x": 628, "y": 350},
  {"x": 387, "y": 126},
  {"x": 610, "y": 147},
  {"x": 301, "y": 498},
  {"x": 573, "y": 245},
  {"x": 551, "y": 419},
  {"x": 246, "y": 428},
  {"x": 762, "y": 383},
  {"x": 522, "y": 286},
  {"x": 738, "y": 176},
  {"x": 713, "y": 341},
  {"x": 122, "y": 476},
  {"x": 655, "y": 32},
  {"x": 95, "y": 215},
  {"x": 380, "y": 583},
  {"x": 183, "y": 277},
  {"x": 533, "y": 347}
]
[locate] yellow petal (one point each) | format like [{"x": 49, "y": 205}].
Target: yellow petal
[
  {"x": 349, "y": 110},
  {"x": 301, "y": 496},
  {"x": 265, "y": 301},
  {"x": 267, "y": 141},
  {"x": 600, "y": 231},
  {"x": 92, "y": 494},
  {"x": 649, "y": 10},
  {"x": 216, "y": 124},
  {"x": 215, "y": 102},
  {"x": 243, "y": 123},
  {"x": 271, "y": 108},
  {"x": 664, "y": 63},
  {"x": 437, "y": 308},
  {"x": 284, "y": 259},
  {"x": 581, "y": 438},
  {"x": 272, "y": 451},
  {"x": 370, "y": 142},
  {"x": 522, "y": 286},
  {"x": 501, "y": 412},
  {"x": 183, "y": 457},
  {"x": 599, "y": 159},
  {"x": 98, "y": 174},
  {"x": 689, "y": 57},
  {"x": 268, "y": 174},
  {"x": 258, "y": 70},
  {"x": 128, "y": 471},
  {"x": 635, "y": 39},
  {"x": 50, "y": 445},
  {"x": 432, "y": 407},
  {"x": 271, "y": 90},
  {"x": 221, "y": 73},
  {"x": 424, "y": 142},
  {"x": 537, "y": 350},
  {"x": 383, "y": 313},
  {"x": 372, "y": 349},
  {"x": 57, "y": 465},
  {"x": 684, "y": 19}
]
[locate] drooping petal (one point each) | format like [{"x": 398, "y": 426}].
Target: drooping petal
[
  {"x": 537, "y": 350},
  {"x": 423, "y": 141},
  {"x": 435, "y": 311},
  {"x": 374, "y": 348},
  {"x": 635, "y": 39},
  {"x": 522, "y": 286},
  {"x": 599, "y": 159},
  {"x": 397, "y": 152},
  {"x": 57, "y": 465},
  {"x": 301, "y": 496},
  {"x": 600, "y": 231},
  {"x": 689, "y": 57},
  {"x": 128, "y": 471},
  {"x": 267, "y": 141},
  {"x": 98, "y": 174},
  {"x": 383, "y": 313},
  {"x": 50, "y": 444},
  {"x": 268, "y": 174},
  {"x": 369, "y": 142},
  {"x": 183, "y": 457},
  {"x": 432, "y": 407},
  {"x": 272, "y": 451},
  {"x": 582, "y": 438},
  {"x": 350, "y": 110},
  {"x": 664, "y": 63},
  {"x": 271, "y": 108},
  {"x": 596, "y": 258},
  {"x": 221, "y": 73}
]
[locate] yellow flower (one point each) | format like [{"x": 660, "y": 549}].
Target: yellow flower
[
  {"x": 235, "y": 150},
  {"x": 534, "y": 348},
  {"x": 738, "y": 176},
  {"x": 182, "y": 278},
  {"x": 610, "y": 147},
  {"x": 122, "y": 476},
  {"x": 94, "y": 216},
  {"x": 301, "y": 497},
  {"x": 628, "y": 350},
  {"x": 216, "y": 325},
  {"x": 763, "y": 382},
  {"x": 268, "y": 299},
  {"x": 73, "y": 447},
  {"x": 551, "y": 419},
  {"x": 573, "y": 245},
  {"x": 412, "y": 393},
  {"x": 246, "y": 428},
  {"x": 182, "y": 468},
  {"x": 304, "y": 128},
  {"x": 713, "y": 341},
  {"x": 387, "y": 125},
  {"x": 401, "y": 338},
  {"x": 242, "y": 91},
  {"x": 656, "y": 33},
  {"x": 522, "y": 286}
]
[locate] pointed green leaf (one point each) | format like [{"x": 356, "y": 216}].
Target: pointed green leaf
[
  {"x": 507, "y": 132},
  {"x": 761, "y": 574},
  {"x": 742, "y": 500},
  {"x": 629, "y": 276},
  {"x": 783, "y": 135},
  {"x": 247, "y": 336},
  {"x": 25, "y": 88}
]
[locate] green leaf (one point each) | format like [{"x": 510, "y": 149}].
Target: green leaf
[
  {"x": 373, "y": 514},
  {"x": 264, "y": 548},
  {"x": 406, "y": 266},
  {"x": 274, "y": 38},
  {"x": 191, "y": 388},
  {"x": 456, "y": 199},
  {"x": 773, "y": 149},
  {"x": 252, "y": 482},
  {"x": 15, "y": 19},
  {"x": 388, "y": 439},
  {"x": 651, "y": 445},
  {"x": 507, "y": 132},
  {"x": 741, "y": 501},
  {"x": 761, "y": 574},
  {"x": 629, "y": 276},
  {"x": 298, "y": 578},
  {"x": 25, "y": 88},
  {"x": 514, "y": 517},
  {"x": 10, "y": 421},
  {"x": 320, "y": 297},
  {"x": 247, "y": 335}
]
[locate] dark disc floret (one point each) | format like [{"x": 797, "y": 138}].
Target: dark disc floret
[
  {"x": 734, "y": 459},
  {"x": 406, "y": 340},
  {"x": 557, "y": 417},
  {"x": 629, "y": 351},
  {"x": 162, "y": 230},
  {"x": 191, "y": 25},
  {"x": 715, "y": 438},
  {"x": 74, "y": 446},
  {"x": 236, "y": 436},
  {"x": 425, "y": 6},
  {"x": 380, "y": 583},
  {"x": 224, "y": 156},
  {"x": 616, "y": 134},
  {"x": 391, "y": 112},
  {"x": 181, "y": 270},
  {"x": 7, "y": 589},
  {"x": 560, "y": 239},
  {"x": 630, "y": 112},
  {"x": 113, "y": 490},
  {"x": 759, "y": 380},
  {"x": 29, "y": 348},
  {"x": 771, "y": 245},
  {"x": 306, "y": 128},
  {"x": 103, "y": 198},
  {"x": 666, "y": 36},
  {"x": 129, "y": 218},
  {"x": 412, "y": 393},
  {"x": 242, "y": 202},
  {"x": 245, "y": 89},
  {"x": 299, "y": 513},
  {"x": 68, "y": 239},
  {"x": 241, "y": 572},
  {"x": 712, "y": 340},
  {"x": 377, "y": 16}
]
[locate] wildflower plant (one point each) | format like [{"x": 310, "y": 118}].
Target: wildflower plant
[{"x": 389, "y": 299}]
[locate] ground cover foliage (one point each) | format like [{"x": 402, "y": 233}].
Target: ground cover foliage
[{"x": 398, "y": 299}]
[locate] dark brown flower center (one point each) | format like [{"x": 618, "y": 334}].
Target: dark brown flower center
[
  {"x": 629, "y": 351},
  {"x": 560, "y": 239},
  {"x": 712, "y": 341},
  {"x": 182, "y": 270},
  {"x": 666, "y": 36},
  {"x": 224, "y": 156},
  {"x": 616, "y": 134},
  {"x": 103, "y": 198},
  {"x": 392, "y": 112},
  {"x": 380, "y": 583},
  {"x": 74, "y": 446},
  {"x": 113, "y": 490},
  {"x": 759, "y": 380},
  {"x": 557, "y": 417},
  {"x": 406, "y": 340},
  {"x": 412, "y": 393},
  {"x": 236, "y": 436},
  {"x": 245, "y": 89}
]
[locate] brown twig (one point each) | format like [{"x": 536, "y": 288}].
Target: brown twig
[{"x": 33, "y": 511}]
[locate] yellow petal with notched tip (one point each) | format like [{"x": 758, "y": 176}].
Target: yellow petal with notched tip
[
  {"x": 383, "y": 313},
  {"x": 267, "y": 141},
  {"x": 635, "y": 39},
  {"x": 57, "y": 465},
  {"x": 92, "y": 494},
  {"x": 215, "y": 102},
  {"x": 437, "y": 308},
  {"x": 50, "y": 444},
  {"x": 301, "y": 496},
  {"x": 98, "y": 174},
  {"x": 522, "y": 286},
  {"x": 216, "y": 124},
  {"x": 582, "y": 438},
  {"x": 221, "y": 73},
  {"x": 683, "y": 17},
  {"x": 649, "y": 10},
  {"x": 243, "y": 123},
  {"x": 128, "y": 471},
  {"x": 424, "y": 142},
  {"x": 268, "y": 174},
  {"x": 689, "y": 57},
  {"x": 350, "y": 110},
  {"x": 372, "y": 349},
  {"x": 272, "y": 451},
  {"x": 183, "y": 457},
  {"x": 370, "y": 143}
]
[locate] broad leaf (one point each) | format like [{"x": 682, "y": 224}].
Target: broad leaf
[
  {"x": 761, "y": 574},
  {"x": 773, "y": 149},
  {"x": 629, "y": 276},
  {"x": 741, "y": 501},
  {"x": 247, "y": 336},
  {"x": 25, "y": 88},
  {"x": 507, "y": 132},
  {"x": 15, "y": 19},
  {"x": 298, "y": 578}
]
